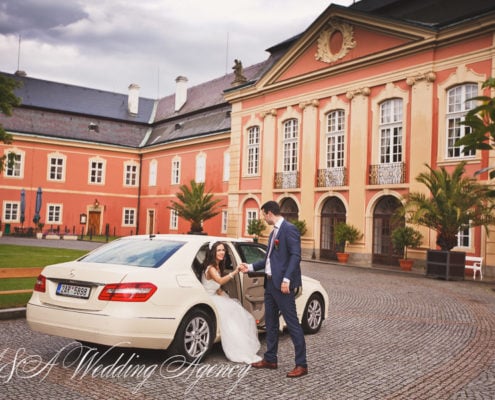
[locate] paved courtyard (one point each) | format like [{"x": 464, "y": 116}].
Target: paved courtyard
[{"x": 389, "y": 336}]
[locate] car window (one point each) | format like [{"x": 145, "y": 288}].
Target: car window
[
  {"x": 139, "y": 253},
  {"x": 251, "y": 252}
]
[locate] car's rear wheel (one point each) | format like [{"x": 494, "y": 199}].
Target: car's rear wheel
[
  {"x": 313, "y": 314},
  {"x": 195, "y": 335}
]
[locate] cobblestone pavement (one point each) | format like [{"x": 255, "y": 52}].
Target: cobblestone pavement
[{"x": 389, "y": 336}]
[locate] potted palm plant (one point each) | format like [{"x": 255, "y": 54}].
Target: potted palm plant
[
  {"x": 195, "y": 205},
  {"x": 455, "y": 202},
  {"x": 402, "y": 238},
  {"x": 345, "y": 234}
]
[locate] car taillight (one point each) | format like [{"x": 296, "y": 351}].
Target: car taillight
[
  {"x": 133, "y": 292},
  {"x": 40, "y": 285}
]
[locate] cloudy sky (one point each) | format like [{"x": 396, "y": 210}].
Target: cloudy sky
[{"x": 109, "y": 44}]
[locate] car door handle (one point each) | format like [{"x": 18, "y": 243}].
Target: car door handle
[{"x": 254, "y": 299}]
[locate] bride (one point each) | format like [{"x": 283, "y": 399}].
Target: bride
[{"x": 237, "y": 327}]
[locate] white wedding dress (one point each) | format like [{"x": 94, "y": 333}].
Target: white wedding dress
[{"x": 237, "y": 327}]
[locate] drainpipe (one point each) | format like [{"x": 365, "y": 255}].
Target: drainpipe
[{"x": 139, "y": 193}]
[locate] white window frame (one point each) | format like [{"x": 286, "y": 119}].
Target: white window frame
[
  {"x": 128, "y": 217},
  {"x": 11, "y": 211},
  {"x": 54, "y": 213},
  {"x": 152, "y": 173},
  {"x": 253, "y": 151},
  {"x": 56, "y": 167},
  {"x": 291, "y": 145},
  {"x": 175, "y": 178},
  {"x": 251, "y": 214},
  {"x": 335, "y": 139},
  {"x": 200, "y": 168},
  {"x": 174, "y": 220},
  {"x": 225, "y": 221},
  {"x": 464, "y": 235},
  {"x": 98, "y": 165},
  {"x": 17, "y": 170},
  {"x": 131, "y": 173},
  {"x": 456, "y": 110},
  {"x": 226, "y": 166},
  {"x": 391, "y": 128}
]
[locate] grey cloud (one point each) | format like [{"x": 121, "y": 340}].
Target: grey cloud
[{"x": 38, "y": 18}]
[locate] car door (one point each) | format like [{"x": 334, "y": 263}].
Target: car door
[{"x": 252, "y": 283}]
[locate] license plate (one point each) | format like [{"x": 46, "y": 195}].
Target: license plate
[{"x": 82, "y": 292}]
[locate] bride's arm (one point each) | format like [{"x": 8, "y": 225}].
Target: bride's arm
[{"x": 212, "y": 273}]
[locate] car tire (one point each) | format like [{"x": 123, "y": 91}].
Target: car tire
[
  {"x": 194, "y": 337},
  {"x": 313, "y": 314}
]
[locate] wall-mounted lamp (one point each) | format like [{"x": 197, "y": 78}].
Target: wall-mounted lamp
[{"x": 96, "y": 203}]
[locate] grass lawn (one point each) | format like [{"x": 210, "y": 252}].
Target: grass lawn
[{"x": 12, "y": 256}]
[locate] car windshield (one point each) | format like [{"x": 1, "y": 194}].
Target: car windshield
[{"x": 140, "y": 253}]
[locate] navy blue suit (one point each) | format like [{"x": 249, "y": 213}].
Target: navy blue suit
[{"x": 285, "y": 259}]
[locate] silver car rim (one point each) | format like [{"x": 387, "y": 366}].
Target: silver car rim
[
  {"x": 314, "y": 314},
  {"x": 197, "y": 337}
]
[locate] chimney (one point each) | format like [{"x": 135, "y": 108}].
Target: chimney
[
  {"x": 133, "y": 99},
  {"x": 180, "y": 92}
]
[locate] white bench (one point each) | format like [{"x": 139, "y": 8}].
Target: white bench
[{"x": 476, "y": 264}]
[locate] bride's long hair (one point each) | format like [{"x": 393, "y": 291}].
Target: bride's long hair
[{"x": 211, "y": 258}]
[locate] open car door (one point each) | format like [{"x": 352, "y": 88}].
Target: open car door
[{"x": 253, "y": 291}]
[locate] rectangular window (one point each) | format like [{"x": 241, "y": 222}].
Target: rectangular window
[
  {"x": 11, "y": 211},
  {"x": 291, "y": 146},
  {"x": 54, "y": 214},
  {"x": 15, "y": 168},
  {"x": 464, "y": 238},
  {"x": 130, "y": 175},
  {"x": 225, "y": 216},
  {"x": 457, "y": 107},
  {"x": 174, "y": 220},
  {"x": 335, "y": 139},
  {"x": 226, "y": 167},
  {"x": 152, "y": 174},
  {"x": 253, "y": 150},
  {"x": 391, "y": 131},
  {"x": 96, "y": 172},
  {"x": 56, "y": 165},
  {"x": 129, "y": 217},
  {"x": 200, "y": 168},
  {"x": 175, "y": 172},
  {"x": 250, "y": 216}
]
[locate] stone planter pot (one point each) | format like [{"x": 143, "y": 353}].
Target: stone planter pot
[
  {"x": 343, "y": 257},
  {"x": 406, "y": 264}
]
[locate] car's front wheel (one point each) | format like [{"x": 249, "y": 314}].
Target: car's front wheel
[
  {"x": 313, "y": 314},
  {"x": 195, "y": 336}
]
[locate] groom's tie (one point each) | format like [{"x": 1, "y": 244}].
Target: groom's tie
[{"x": 268, "y": 269}]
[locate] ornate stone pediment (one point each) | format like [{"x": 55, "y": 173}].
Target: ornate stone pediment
[{"x": 324, "y": 52}]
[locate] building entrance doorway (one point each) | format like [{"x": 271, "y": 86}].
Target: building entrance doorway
[
  {"x": 332, "y": 213},
  {"x": 383, "y": 225}
]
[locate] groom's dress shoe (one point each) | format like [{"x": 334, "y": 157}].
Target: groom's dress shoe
[
  {"x": 264, "y": 364},
  {"x": 297, "y": 372}
]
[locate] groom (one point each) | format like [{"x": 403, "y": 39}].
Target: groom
[{"x": 282, "y": 278}]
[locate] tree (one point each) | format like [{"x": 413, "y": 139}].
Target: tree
[
  {"x": 8, "y": 100},
  {"x": 455, "y": 202},
  {"x": 481, "y": 120},
  {"x": 195, "y": 205}
]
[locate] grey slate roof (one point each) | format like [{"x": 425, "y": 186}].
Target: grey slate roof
[
  {"x": 80, "y": 100},
  {"x": 208, "y": 94},
  {"x": 433, "y": 13}
]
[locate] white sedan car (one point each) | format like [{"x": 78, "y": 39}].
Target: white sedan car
[{"x": 145, "y": 292}]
